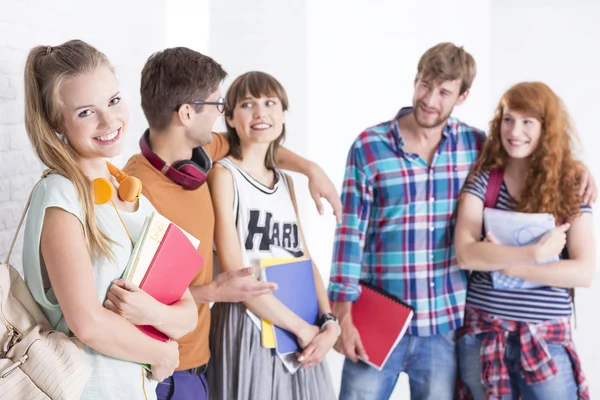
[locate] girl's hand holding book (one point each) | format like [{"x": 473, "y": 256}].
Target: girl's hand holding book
[
  {"x": 133, "y": 304},
  {"x": 168, "y": 361},
  {"x": 306, "y": 334},
  {"x": 552, "y": 243},
  {"x": 315, "y": 352}
]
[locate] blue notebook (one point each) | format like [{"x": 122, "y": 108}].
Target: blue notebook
[{"x": 296, "y": 289}]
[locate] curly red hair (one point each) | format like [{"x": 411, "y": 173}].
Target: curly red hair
[{"x": 551, "y": 184}]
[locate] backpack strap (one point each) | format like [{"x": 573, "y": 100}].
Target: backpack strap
[
  {"x": 572, "y": 294},
  {"x": 493, "y": 188},
  {"x": 14, "y": 241},
  {"x": 492, "y": 192},
  {"x": 565, "y": 256}
]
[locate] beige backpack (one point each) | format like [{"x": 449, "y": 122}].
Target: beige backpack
[{"x": 36, "y": 362}]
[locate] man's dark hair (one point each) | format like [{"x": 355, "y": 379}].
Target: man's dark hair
[{"x": 173, "y": 77}]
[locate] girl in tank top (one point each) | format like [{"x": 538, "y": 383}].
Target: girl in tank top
[{"x": 256, "y": 218}]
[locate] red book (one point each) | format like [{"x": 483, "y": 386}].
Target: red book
[
  {"x": 174, "y": 266},
  {"x": 381, "y": 319}
]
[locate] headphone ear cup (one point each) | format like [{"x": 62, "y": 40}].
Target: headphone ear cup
[
  {"x": 130, "y": 189},
  {"x": 103, "y": 191},
  {"x": 190, "y": 168}
]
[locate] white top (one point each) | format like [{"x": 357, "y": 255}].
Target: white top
[
  {"x": 111, "y": 378},
  {"x": 265, "y": 218}
]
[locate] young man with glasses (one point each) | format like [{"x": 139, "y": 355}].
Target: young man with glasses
[{"x": 181, "y": 99}]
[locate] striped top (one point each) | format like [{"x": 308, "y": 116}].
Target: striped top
[
  {"x": 531, "y": 305},
  {"x": 397, "y": 223}
]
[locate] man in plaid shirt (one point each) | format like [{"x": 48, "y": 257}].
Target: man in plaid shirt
[{"x": 402, "y": 180}]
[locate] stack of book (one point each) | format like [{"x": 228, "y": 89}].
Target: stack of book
[
  {"x": 163, "y": 263},
  {"x": 296, "y": 290}
]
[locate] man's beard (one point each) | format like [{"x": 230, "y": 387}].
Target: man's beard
[{"x": 438, "y": 122}]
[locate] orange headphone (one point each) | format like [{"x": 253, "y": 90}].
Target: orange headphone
[{"x": 130, "y": 187}]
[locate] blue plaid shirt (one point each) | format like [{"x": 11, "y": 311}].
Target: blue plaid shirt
[{"x": 397, "y": 225}]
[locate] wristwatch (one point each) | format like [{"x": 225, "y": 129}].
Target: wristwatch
[{"x": 327, "y": 319}]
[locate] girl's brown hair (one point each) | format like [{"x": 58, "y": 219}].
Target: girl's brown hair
[{"x": 256, "y": 84}]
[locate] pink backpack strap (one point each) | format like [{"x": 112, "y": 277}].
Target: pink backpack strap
[{"x": 493, "y": 189}]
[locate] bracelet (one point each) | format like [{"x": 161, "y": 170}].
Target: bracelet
[
  {"x": 329, "y": 318},
  {"x": 329, "y": 322}
]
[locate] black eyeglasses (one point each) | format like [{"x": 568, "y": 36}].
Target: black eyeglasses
[{"x": 220, "y": 104}]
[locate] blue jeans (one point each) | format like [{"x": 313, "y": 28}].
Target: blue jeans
[
  {"x": 561, "y": 386},
  {"x": 190, "y": 384},
  {"x": 430, "y": 363}
]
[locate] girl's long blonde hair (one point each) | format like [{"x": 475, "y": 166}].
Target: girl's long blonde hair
[{"x": 46, "y": 68}]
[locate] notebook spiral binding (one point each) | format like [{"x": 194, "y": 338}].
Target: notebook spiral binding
[{"x": 385, "y": 294}]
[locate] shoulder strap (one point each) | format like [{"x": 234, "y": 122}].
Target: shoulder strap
[
  {"x": 572, "y": 293},
  {"x": 493, "y": 188},
  {"x": 492, "y": 192},
  {"x": 14, "y": 241}
]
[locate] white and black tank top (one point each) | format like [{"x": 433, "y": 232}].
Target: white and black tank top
[{"x": 265, "y": 218}]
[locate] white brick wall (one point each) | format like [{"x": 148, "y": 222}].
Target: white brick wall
[{"x": 108, "y": 25}]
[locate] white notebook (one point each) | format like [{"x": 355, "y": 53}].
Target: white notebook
[{"x": 511, "y": 228}]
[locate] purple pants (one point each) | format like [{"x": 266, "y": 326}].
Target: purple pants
[{"x": 184, "y": 385}]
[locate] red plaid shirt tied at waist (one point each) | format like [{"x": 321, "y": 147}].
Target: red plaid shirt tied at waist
[{"x": 535, "y": 361}]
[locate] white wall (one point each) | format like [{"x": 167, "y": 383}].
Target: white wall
[
  {"x": 188, "y": 24},
  {"x": 556, "y": 42},
  {"x": 108, "y": 25},
  {"x": 269, "y": 36}
]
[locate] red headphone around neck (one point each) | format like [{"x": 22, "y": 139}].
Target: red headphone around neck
[{"x": 189, "y": 174}]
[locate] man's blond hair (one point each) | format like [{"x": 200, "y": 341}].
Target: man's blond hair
[{"x": 448, "y": 62}]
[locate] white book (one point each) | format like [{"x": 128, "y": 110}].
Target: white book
[
  {"x": 511, "y": 228},
  {"x": 153, "y": 231}
]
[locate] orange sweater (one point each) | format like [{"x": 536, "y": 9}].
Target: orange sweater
[{"x": 192, "y": 210}]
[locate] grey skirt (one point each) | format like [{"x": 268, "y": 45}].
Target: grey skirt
[{"x": 241, "y": 369}]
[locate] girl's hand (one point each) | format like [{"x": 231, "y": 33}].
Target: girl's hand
[
  {"x": 133, "y": 304},
  {"x": 306, "y": 334},
  {"x": 169, "y": 360},
  {"x": 552, "y": 243},
  {"x": 315, "y": 352}
]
